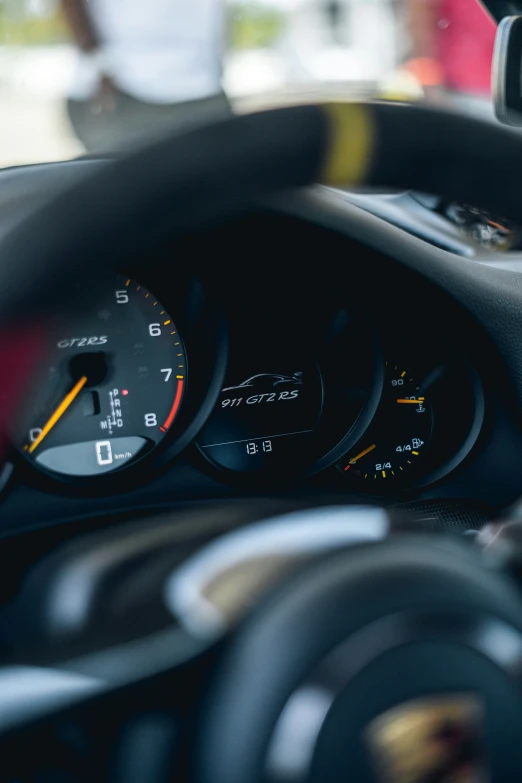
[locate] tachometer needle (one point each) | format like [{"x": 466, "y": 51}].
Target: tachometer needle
[
  {"x": 419, "y": 401},
  {"x": 359, "y": 456},
  {"x": 57, "y": 415}
]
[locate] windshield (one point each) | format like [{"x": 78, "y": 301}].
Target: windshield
[{"x": 100, "y": 76}]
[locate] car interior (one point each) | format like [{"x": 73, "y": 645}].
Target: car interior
[{"x": 260, "y": 420}]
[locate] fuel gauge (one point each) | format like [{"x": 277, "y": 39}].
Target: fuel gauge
[{"x": 400, "y": 433}]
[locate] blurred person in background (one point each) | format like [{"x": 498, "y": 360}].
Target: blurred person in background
[
  {"x": 335, "y": 19},
  {"x": 451, "y": 45},
  {"x": 145, "y": 67}
]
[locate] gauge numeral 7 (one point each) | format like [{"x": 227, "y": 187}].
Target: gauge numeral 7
[{"x": 168, "y": 373}]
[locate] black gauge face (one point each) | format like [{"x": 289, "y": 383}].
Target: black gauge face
[
  {"x": 265, "y": 417},
  {"x": 400, "y": 434},
  {"x": 110, "y": 387}
]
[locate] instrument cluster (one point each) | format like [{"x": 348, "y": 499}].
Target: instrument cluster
[{"x": 133, "y": 373}]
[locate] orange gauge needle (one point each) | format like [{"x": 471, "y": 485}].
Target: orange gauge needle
[
  {"x": 57, "y": 415},
  {"x": 362, "y": 454},
  {"x": 498, "y": 225},
  {"x": 412, "y": 402}
]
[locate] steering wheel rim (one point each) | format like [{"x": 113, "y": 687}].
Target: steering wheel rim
[{"x": 183, "y": 183}]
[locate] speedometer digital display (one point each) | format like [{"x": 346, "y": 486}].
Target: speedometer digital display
[{"x": 110, "y": 387}]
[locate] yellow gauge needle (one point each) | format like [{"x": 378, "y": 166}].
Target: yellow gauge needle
[
  {"x": 57, "y": 415},
  {"x": 412, "y": 402},
  {"x": 362, "y": 454}
]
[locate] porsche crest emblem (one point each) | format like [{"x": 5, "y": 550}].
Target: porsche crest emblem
[{"x": 430, "y": 740}]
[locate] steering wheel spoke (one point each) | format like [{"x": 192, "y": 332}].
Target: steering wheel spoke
[{"x": 83, "y": 729}]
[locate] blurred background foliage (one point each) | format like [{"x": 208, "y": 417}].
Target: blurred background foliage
[
  {"x": 31, "y": 23},
  {"x": 39, "y": 23},
  {"x": 253, "y": 26}
]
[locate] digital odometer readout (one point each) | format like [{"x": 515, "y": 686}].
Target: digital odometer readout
[{"x": 264, "y": 420}]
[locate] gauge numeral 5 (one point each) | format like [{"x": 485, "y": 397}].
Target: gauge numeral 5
[{"x": 122, "y": 297}]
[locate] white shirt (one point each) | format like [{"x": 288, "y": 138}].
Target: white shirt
[{"x": 159, "y": 51}]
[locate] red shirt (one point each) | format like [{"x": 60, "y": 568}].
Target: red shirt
[{"x": 466, "y": 35}]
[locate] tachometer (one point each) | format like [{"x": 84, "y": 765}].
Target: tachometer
[{"x": 111, "y": 385}]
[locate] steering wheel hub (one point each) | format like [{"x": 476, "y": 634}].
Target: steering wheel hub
[{"x": 334, "y": 678}]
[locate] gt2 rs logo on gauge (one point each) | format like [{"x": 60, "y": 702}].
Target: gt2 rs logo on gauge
[{"x": 81, "y": 342}]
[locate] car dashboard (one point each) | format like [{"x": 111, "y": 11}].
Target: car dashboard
[{"x": 279, "y": 355}]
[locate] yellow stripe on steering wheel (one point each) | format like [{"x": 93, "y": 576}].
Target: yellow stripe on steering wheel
[{"x": 350, "y": 144}]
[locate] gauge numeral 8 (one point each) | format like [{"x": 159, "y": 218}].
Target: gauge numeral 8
[{"x": 150, "y": 420}]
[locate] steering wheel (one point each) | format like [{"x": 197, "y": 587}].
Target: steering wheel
[{"x": 251, "y": 643}]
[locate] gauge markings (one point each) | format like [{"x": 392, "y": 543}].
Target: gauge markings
[
  {"x": 401, "y": 429},
  {"x": 175, "y": 405},
  {"x": 168, "y": 321}
]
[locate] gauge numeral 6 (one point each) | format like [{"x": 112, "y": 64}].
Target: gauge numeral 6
[
  {"x": 122, "y": 297},
  {"x": 150, "y": 420},
  {"x": 154, "y": 330}
]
